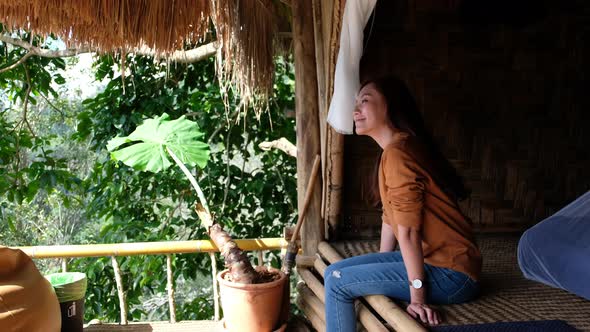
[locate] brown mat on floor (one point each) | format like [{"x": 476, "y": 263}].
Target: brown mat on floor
[{"x": 506, "y": 295}]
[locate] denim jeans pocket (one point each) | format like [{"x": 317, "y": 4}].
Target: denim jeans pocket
[{"x": 467, "y": 292}]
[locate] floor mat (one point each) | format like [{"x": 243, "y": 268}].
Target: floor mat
[{"x": 532, "y": 326}]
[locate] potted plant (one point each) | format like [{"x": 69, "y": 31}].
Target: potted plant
[{"x": 251, "y": 298}]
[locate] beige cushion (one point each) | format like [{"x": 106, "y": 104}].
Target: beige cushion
[{"x": 27, "y": 300}]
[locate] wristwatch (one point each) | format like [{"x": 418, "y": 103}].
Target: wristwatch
[{"x": 416, "y": 283}]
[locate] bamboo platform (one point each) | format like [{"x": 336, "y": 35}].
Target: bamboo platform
[
  {"x": 202, "y": 325},
  {"x": 506, "y": 295},
  {"x": 295, "y": 324}
]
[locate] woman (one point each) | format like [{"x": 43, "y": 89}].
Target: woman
[{"x": 439, "y": 261}]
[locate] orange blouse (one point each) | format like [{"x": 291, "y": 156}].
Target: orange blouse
[{"x": 411, "y": 198}]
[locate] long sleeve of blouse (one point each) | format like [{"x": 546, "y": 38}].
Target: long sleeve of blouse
[{"x": 403, "y": 199}]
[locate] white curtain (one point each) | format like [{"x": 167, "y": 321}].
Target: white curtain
[{"x": 346, "y": 76}]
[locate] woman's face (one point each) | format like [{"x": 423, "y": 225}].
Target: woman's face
[{"x": 370, "y": 112}]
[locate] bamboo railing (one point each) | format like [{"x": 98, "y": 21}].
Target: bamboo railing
[
  {"x": 167, "y": 248},
  {"x": 147, "y": 248}
]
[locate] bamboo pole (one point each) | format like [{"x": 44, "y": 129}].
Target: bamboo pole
[
  {"x": 320, "y": 266},
  {"x": 365, "y": 317},
  {"x": 321, "y": 80},
  {"x": 312, "y": 300},
  {"x": 328, "y": 21},
  {"x": 334, "y": 163},
  {"x": 308, "y": 195},
  {"x": 290, "y": 256},
  {"x": 384, "y": 306},
  {"x": 147, "y": 248},
  {"x": 369, "y": 321},
  {"x": 170, "y": 288},
  {"x": 305, "y": 261},
  {"x": 120, "y": 290},
  {"x": 313, "y": 283},
  {"x": 317, "y": 323},
  {"x": 292, "y": 249},
  {"x": 64, "y": 265},
  {"x": 307, "y": 121},
  {"x": 395, "y": 316},
  {"x": 215, "y": 285}
]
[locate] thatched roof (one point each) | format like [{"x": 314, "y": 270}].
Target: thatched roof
[{"x": 245, "y": 29}]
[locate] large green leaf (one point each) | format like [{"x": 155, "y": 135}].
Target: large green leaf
[{"x": 150, "y": 140}]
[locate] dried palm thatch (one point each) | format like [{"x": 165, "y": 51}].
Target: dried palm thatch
[
  {"x": 246, "y": 30},
  {"x": 247, "y": 51}
]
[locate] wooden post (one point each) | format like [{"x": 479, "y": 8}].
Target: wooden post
[
  {"x": 327, "y": 24},
  {"x": 307, "y": 119},
  {"x": 170, "y": 289},
  {"x": 321, "y": 80}
]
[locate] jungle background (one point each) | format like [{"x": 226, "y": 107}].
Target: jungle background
[{"x": 58, "y": 184}]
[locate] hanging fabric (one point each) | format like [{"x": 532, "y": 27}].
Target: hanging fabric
[{"x": 346, "y": 76}]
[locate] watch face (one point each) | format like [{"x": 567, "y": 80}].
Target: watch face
[{"x": 417, "y": 283}]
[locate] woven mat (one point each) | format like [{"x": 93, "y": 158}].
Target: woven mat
[
  {"x": 529, "y": 326},
  {"x": 506, "y": 295}
]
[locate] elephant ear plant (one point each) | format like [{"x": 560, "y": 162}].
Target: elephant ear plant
[{"x": 149, "y": 147}]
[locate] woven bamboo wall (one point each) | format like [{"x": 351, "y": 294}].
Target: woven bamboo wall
[{"x": 503, "y": 89}]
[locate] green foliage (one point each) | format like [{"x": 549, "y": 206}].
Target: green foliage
[
  {"x": 40, "y": 176},
  {"x": 27, "y": 165},
  {"x": 57, "y": 175},
  {"x": 39, "y": 73},
  {"x": 154, "y": 137},
  {"x": 252, "y": 192}
]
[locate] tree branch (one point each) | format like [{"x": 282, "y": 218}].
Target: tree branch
[
  {"x": 188, "y": 56},
  {"x": 282, "y": 144},
  {"x": 16, "y": 64},
  {"x": 45, "y": 53},
  {"x": 26, "y": 101},
  {"x": 53, "y": 106}
]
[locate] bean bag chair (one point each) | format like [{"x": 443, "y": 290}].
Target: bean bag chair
[
  {"x": 27, "y": 300},
  {"x": 556, "y": 251}
]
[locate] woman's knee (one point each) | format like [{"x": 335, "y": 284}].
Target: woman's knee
[
  {"x": 334, "y": 268},
  {"x": 328, "y": 271},
  {"x": 332, "y": 280}
]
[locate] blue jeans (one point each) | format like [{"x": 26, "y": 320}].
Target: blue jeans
[{"x": 385, "y": 274}]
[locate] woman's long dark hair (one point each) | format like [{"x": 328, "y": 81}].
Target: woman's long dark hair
[{"x": 404, "y": 115}]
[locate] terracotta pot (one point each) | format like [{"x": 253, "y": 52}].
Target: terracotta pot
[{"x": 254, "y": 307}]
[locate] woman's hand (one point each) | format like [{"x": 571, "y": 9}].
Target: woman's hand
[{"x": 424, "y": 313}]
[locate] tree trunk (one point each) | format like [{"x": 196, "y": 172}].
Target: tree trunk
[
  {"x": 240, "y": 268},
  {"x": 236, "y": 261}
]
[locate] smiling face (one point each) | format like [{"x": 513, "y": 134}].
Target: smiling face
[{"x": 370, "y": 113}]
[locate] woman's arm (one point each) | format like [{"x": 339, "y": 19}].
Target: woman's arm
[
  {"x": 388, "y": 241},
  {"x": 410, "y": 243},
  {"x": 405, "y": 185}
]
